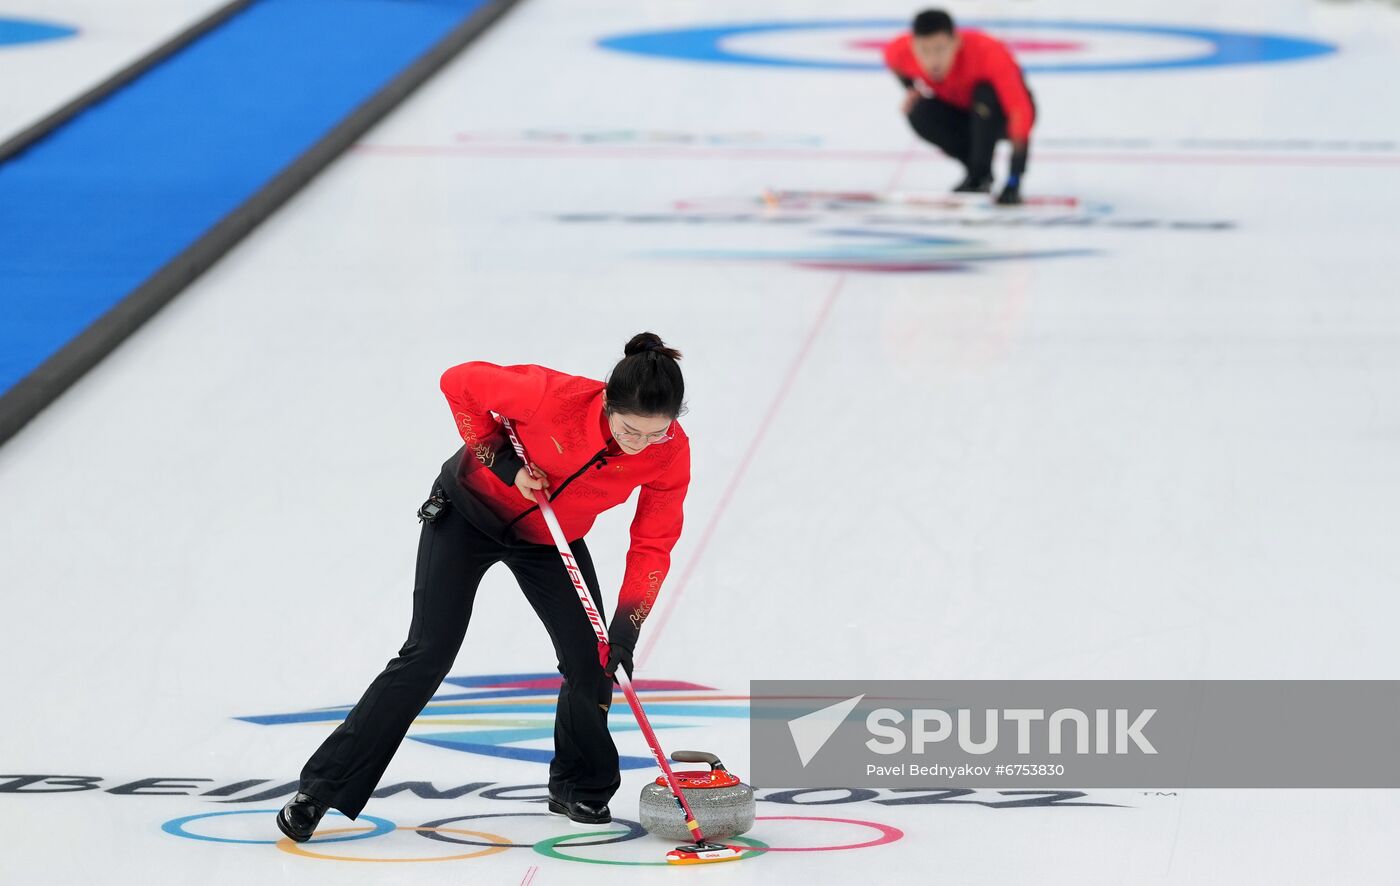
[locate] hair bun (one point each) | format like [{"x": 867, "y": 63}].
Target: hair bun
[
  {"x": 642, "y": 383},
  {"x": 643, "y": 342}
]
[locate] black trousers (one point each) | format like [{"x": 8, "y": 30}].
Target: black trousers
[
  {"x": 971, "y": 136},
  {"x": 453, "y": 555}
]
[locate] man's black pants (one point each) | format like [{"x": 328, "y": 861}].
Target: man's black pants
[
  {"x": 971, "y": 136},
  {"x": 453, "y": 555}
]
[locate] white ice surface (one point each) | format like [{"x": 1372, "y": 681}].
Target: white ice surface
[{"x": 1174, "y": 457}]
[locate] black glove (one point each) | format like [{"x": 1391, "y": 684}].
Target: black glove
[
  {"x": 618, "y": 655},
  {"x": 1020, "y": 156},
  {"x": 620, "y": 645}
]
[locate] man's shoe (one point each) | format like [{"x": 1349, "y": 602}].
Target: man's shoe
[
  {"x": 298, "y": 819},
  {"x": 980, "y": 184},
  {"x": 581, "y": 811},
  {"x": 1010, "y": 196}
]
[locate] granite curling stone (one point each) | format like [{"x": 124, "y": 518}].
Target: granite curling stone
[{"x": 722, "y": 804}]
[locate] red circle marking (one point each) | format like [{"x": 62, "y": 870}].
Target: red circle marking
[
  {"x": 888, "y": 833},
  {"x": 1024, "y": 44}
]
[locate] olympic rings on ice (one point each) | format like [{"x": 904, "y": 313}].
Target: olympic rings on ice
[
  {"x": 888, "y": 833},
  {"x": 176, "y": 827},
  {"x": 490, "y": 843},
  {"x": 500, "y": 845},
  {"x": 549, "y": 848},
  {"x": 634, "y": 830}
]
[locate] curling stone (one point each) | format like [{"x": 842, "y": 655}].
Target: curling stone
[{"x": 723, "y": 805}]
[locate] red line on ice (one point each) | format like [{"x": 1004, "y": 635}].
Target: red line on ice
[
  {"x": 683, "y": 582},
  {"x": 874, "y": 155},
  {"x": 663, "y": 617}
]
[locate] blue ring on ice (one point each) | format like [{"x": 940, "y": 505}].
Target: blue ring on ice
[
  {"x": 176, "y": 827},
  {"x": 17, "y": 30},
  {"x": 705, "y": 44}
]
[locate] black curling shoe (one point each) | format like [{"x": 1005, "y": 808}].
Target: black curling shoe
[
  {"x": 581, "y": 811},
  {"x": 1010, "y": 196},
  {"x": 298, "y": 819},
  {"x": 974, "y": 184}
]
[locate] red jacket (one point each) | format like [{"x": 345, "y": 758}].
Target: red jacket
[
  {"x": 560, "y": 421},
  {"x": 980, "y": 59}
]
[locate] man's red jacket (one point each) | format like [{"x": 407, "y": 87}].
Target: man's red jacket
[
  {"x": 980, "y": 59},
  {"x": 560, "y": 421}
]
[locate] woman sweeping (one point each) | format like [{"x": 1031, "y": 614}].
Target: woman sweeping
[{"x": 590, "y": 445}]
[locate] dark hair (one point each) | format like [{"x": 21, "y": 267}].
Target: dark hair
[
  {"x": 647, "y": 381},
  {"x": 932, "y": 21}
]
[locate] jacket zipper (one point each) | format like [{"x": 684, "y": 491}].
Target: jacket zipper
[{"x": 598, "y": 460}]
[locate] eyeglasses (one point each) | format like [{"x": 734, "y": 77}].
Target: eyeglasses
[{"x": 634, "y": 436}]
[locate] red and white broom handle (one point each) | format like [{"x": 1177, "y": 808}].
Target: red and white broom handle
[{"x": 600, "y": 629}]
